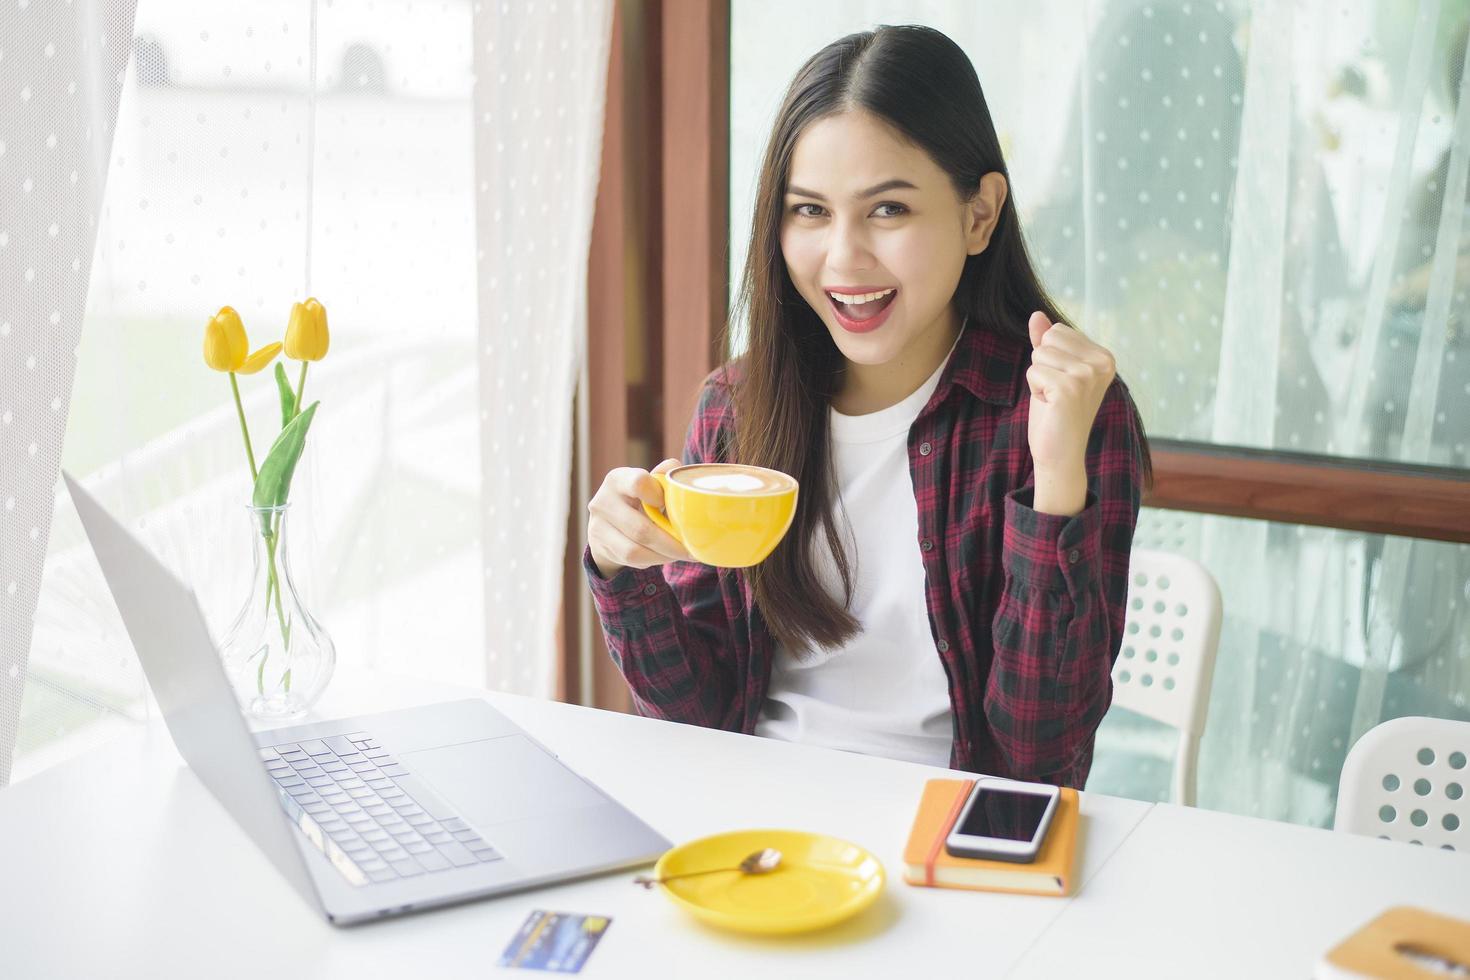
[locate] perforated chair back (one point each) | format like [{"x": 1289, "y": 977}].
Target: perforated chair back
[
  {"x": 1170, "y": 637},
  {"x": 1405, "y": 780}
]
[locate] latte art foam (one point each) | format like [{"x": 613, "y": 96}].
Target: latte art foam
[
  {"x": 732, "y": 479},
  {"x": 737, "y": 482}
]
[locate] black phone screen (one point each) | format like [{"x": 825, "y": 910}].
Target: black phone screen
[{"x": 1004, "y": 815}]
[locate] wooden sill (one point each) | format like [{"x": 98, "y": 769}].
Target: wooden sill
[{"x": 1354, "y": 495}]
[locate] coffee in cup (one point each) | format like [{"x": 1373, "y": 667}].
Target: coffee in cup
[{"x": 726, "y": 514}]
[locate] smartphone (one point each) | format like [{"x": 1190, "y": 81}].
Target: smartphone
[{"x": 1003, "y": 820}]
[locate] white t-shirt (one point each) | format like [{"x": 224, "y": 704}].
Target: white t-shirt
[{"x": 884, "y": 693}]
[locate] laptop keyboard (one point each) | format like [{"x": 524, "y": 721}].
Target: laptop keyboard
[{"x": 373, "y": 819}]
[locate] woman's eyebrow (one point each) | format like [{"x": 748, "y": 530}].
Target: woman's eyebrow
[{"x": 894, "y": 183}]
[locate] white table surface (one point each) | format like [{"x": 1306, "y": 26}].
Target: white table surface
[
  {"x": 1196, "y": 893},
  {"x": 120, "y": 864}
]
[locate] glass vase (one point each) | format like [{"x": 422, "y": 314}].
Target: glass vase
[{"x": 278, "y": 657}]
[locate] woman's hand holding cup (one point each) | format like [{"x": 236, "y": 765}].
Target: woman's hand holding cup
[{"x": 619, "y": 532}]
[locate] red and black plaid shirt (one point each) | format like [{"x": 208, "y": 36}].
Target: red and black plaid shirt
[{"x": 1026, "y": 609}]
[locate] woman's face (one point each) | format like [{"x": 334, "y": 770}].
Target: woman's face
[{"x": 867, "y": 212}]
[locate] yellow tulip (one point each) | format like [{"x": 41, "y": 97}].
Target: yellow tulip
[
  {"x": 307, "y": 338},
  {"x": 225, "y": 344},
  {"x": 259, "y": 359}
]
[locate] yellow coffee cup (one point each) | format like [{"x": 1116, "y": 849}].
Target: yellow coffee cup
[{"x": 726, "y": 514}]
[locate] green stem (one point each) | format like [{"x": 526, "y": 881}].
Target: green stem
[
  {"x": 273, "y": 588},
  {"x": 276, "y": 522},
  {"x": 244, "y": 429},
  {"x": 273, "y": 525},
  {"x": 300, "y": 388}
]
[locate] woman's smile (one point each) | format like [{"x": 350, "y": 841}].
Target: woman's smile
[{"x": 861, "y": 311}]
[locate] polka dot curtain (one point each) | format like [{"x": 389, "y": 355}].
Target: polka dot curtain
[
  {"x": 428, "y": 170},
  {"x": 1259, "y": 207},
  {"x": 537, "y": 171},
  {"x": 61, "y": 68}
]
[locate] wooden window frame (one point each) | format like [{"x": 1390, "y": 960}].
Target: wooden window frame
[
  {"x": 657, "y": 266},
  {"x": 1323, "y": 491}
]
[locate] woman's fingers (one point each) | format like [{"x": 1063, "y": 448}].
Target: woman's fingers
[
  {"x": 611, "y": 543},
  {"x": 1054, "y": 358},
  {"x": 619, "y": 529},
  {"x": 1062, "y": 339},
  {"x": 639, "y": 485},
  {"x": 1048, "y": 382},
  {"x": 634, "y": 525},
  {"x": 636, "y": 486},
  {"x": 1088, "y": 370},
  {"x": 1038, "y": 327}
]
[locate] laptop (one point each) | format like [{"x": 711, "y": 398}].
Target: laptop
[{"x": 375, "y": 815}]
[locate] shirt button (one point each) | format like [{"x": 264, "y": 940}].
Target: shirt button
[
  {"x": 1073, "y": 555},
  {"x": 943, "y": 646},
  {"x": 925, "y": 448},
  {"x": 650, "y": 589},
  {"x": 927, "y": 544}
]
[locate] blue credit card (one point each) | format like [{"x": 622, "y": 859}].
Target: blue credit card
[{"x": 556, "y": 942}]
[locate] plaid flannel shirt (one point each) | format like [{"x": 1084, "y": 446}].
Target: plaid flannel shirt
[{"x": 1026, "y": 609}]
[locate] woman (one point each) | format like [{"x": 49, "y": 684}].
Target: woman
[{"x": 951, "y": 590}]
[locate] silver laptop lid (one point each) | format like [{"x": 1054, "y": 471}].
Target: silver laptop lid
[{"x": 182, "y": 665}]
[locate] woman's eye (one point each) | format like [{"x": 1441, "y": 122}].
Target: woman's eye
[{"x": 897, "y": 209}]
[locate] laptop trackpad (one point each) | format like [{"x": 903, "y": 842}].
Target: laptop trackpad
[{"x": 498, "y": 780}]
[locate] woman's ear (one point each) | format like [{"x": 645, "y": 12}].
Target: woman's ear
[{"x": 983, "y": 211}]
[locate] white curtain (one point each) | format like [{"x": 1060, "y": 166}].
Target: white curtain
[
  {"x": 60, "y": 75},
  {"x": 427, "y": 170},
  {"x": 538, "y": 168},
  {"x": 1308, "y": 299},
  {"x": 1258, "y": 206}
]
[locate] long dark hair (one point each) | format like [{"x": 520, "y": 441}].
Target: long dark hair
[{"x": 921, "y": 83}]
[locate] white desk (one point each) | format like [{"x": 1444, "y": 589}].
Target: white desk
[
  {"x": 1203, "y": 894},
  {"x": 120, "y": 864}
]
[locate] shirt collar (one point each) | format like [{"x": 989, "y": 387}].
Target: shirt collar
[{"x": 987, "y": 364}]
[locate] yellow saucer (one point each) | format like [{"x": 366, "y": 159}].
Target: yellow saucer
[{"x": 821, "y": 881}]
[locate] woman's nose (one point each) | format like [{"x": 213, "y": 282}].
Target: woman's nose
[{"x": 848, "y": 249}]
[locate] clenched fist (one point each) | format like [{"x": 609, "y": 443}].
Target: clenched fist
[{"x": 1068, "y": 377}]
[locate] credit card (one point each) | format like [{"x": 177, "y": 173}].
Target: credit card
[{"x": 555, "y": 942}]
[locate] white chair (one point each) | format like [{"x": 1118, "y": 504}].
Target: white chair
[
  {"x": 1170, "y": 637},
  {"x": 1405, "y": 780}
]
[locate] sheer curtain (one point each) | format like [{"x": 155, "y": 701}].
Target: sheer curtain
[
  {"x": 60, "y": 77},
  {"x": 539, "y": 167},
  {"x": 427, "y": 170},
  {"x": 1308, "y": 298},
  {"x": 1258, "y": 207}
]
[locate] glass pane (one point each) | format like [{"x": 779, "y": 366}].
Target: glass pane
[
  {"x": 207, "y": 204},
  {"x": 1259, "y": 213},
  {"x": 1326, "y": 633}
]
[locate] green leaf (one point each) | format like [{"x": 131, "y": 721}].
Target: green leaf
[
  {"x": 288, "y": 397},
  {"x": 273, "y": 485}
]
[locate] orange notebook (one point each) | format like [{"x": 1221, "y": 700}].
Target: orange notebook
[{"x": 926, "y": 862}]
